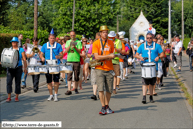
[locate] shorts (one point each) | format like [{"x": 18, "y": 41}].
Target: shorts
[
  {"x": 104, "y": 79},
  {"x": 151, "y": 81},
  {"x": 52, "y": 77},
  {"x": 160, "y": 71},
  {"x": 125, "y": 63},
  {"x": 76, "y": 71},
  {"x": 178, "y": 60},
  {"x": 87, "y": 60},
  {"x": 93, "y": 77},
  {"x": 116, "y": 68}
]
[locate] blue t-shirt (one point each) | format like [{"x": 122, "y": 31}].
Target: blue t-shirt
[
  {"x": 154, "y": 53},
  {"x": 21, "y": 50},
  {"x": 55, "y": 51}
]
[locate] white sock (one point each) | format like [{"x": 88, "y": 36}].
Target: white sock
[
  {"x": 51, "y": 95},
  {"x": 55, "y": 94}
]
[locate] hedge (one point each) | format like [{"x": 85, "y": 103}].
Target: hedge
[{"x": 42, "y": 34}]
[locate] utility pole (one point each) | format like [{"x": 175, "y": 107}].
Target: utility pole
[
  {"x": 169, "y": 22},
  {"x": 182, "y": 21},
  {"x": 35, "y": 18},
  {"x": 73, "y": 15}
]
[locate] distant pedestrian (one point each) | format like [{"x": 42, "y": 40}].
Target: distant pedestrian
[{"x": 189, "y": 51}]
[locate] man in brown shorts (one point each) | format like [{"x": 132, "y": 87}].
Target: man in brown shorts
[
  {"x": 115, "y": 61},
  {"x": 102, "y": 50},
  {"x": 73, "y": 57}
]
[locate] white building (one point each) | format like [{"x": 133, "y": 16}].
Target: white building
[{"x": 139, "y": 28}]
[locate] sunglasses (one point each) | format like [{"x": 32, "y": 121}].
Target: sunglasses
[
  {"x": 149, "y": 38},
  {"x": 83, "y": 41}
]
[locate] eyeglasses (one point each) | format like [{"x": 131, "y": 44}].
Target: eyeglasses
[
  {"x": 83, "y": 41},
  {"x": 149, "y": 38}
]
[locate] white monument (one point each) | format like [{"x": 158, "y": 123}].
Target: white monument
[{"x": 139, "y": 28}]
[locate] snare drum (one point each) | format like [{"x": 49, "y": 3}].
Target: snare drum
[
  {"x": 33, "y": 69},
  {"x": 148, "y": 70},
  {"x": 43, "y": 69},
  {"x": 66, "y": 68},
  {"x": 9, "y": 58},
  {"x": 51, "y": 62},
  {"x": 54, "y": 69}
]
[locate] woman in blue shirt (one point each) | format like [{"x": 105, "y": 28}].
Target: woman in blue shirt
[{"x": 16, "y": 72}]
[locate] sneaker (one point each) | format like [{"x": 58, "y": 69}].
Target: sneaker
[
  {"x": 16, "y": 100},
  {"x": 55, "y": 98},
  {"x": 76, "y": 91},
  {"x": 144, "y": 100},
  {"x": 61, "y": 79},
  {"x": 109, "y": 111},
  {"x": 35, "y": 90},
  {"x": 123, "y": 79},
  {"x": 93, "y": 97},
  {"x": 191, "y": 70},
  {"x": 161, "y": 84},
  {"x": 8, "y": 100},
  {"x": 103, "y": 111},
  {"x": 68, "y": 92},
  {"x": 23, "y": 86},
  {"x": 159, "y": 87},
  {"x": 151, "y": 99},
  {"x": 65, "y": 85},
  {"x": 50, "y": 98},
  {"x": 126, "y": 77},
  {"x": 117, "y": 87},
  {"x": 175, "y": 65},
  {"x": 178, "y": 70}
]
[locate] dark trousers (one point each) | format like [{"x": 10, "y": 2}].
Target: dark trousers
[
  {"x": 35, "y": 80},
  {"x": 11, "y": 73}
]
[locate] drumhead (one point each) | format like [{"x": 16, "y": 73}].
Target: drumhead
[
  {"x": 54, "y": 73},
  {"x": 149, "y": 64},
  {"x": 34, "y": 73}
]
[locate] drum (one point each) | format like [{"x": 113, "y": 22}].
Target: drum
[
  {"x": 66, "y": 68},
  {"x": 33, "y": 69},
  {"x": 51, "y": 62},
  {"x": 54, "y": 69},
  {"x": 148, "y": 70},
  {"x": 9, "y": 58},
  {"x": 43, "y": 69}
]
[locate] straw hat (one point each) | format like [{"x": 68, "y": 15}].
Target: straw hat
[
  {"x": 104, "y": 27},
  {"x": 61, "y": 38}
]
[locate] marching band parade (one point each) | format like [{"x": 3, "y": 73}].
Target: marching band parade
[{"x": 106, "y": 61}]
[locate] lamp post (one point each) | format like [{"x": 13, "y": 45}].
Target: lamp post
[
  {"x": 169, "y": 21},
  {"x": 182, "y": 21}
]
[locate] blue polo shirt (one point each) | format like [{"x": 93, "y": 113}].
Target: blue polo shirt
[
  {"x": 154, "y": 53},
  {"x": 55, "y": 51},
  {"x": 21, "y": 50}
]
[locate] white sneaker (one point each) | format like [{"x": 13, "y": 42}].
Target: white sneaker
[
  {"x": 123, "y": 79},
  {"x": 55, "y": 98},
  {"x": 175, "y": 65},
  {"x": 159, "y": 86},
  {"x": 66, "y": 85},
  {"x": 50, "y": 98}
]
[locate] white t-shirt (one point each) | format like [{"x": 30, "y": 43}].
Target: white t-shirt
[
  {"x": 36, "y": 57},
  {"x": 178, "y": 46}
]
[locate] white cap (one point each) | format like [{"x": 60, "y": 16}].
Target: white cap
[
  {"x": 121, "y": 33},
  {"x": 126, "y": 39},
  {"x": 112, "y": 34}
]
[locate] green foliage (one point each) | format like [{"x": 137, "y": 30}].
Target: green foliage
[
  {"x": 186, "y": 41},
  {"x": 42, "y": 34},
  {"x": 4, "y": 6},
  {"x": 62, "y": 35},
  {"x": 155, "y": 10},
  {"x": 176, "y": 18},
  {"x": 89, "y": 16}
]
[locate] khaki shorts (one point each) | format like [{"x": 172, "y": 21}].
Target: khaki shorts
[
  {"x": 116, "y": 69},
  {"x": 104, "y": 79},
  {"x": 93, "y": 77}
]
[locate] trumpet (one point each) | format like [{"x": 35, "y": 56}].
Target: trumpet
[
  {"x": 72, "y": 43},
  {"x": 36, "y": 50}
]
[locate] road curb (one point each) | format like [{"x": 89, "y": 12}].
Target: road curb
[
  {"x": 189, "y": 107},
  {"x": 28, "y": 88}
]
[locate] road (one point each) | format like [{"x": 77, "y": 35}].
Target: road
[{"x": 79, "y": 111}]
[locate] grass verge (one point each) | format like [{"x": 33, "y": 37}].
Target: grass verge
[
  {"x": 183, "y": 88},
  {"x": 2, "y": 75}
]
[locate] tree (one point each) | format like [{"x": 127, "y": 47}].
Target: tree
[
  {"x": 155, "y": 10},
  {"x": 89, "y": 15},
  {"x": 4, "y": 6}
]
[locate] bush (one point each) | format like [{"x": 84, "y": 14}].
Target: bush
[
  {"x": 186, "y": 41},
  {"x": 42, "y": 34}
]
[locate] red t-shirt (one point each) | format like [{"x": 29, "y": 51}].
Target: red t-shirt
[{"x": 81, "y": 59}]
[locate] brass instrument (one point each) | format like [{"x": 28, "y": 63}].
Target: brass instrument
[
  {"x": 36, "y": 50},
  {"x": 72, "y": 43},
  {"x": 94, "y": 63}
]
